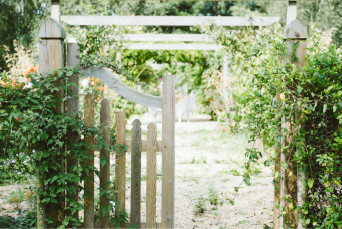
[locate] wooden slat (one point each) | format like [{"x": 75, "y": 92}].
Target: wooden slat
[
  {"x": 169, "y": 20},
  {"x": 144, "y": 145},
  {"x": 89, "y": 214},
  {"x": 112, "y": 81},
  {"x": 120, "y": 162},
  {"x": 161, "y": 46},
  {"x": 168, "y": 151},
  {"x": 151, "y": 178},
  {"x": 105, "y": 155},
  {"x": 136, "y": 174},
  {"x": 72, "y": 108},
  {"x": 150, "y": 37}
]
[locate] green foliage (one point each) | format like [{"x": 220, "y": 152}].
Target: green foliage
[
  {"x": 26, "y": 220},
  {"x": 33, "y": 138},
  {"x": 310, "y": 100},
  {"x": 200, "y": 206},
  {"x": 19, "y": 21},
  {"x": 213, "y": 197}
]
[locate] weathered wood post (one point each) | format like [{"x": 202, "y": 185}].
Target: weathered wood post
[
  {"x": 136, "y": 173},
  {"x": 168, "y": 152},
  {"x": 295, "y": 34},
  {"x": 278, "y": 192},
  {"x": 105, "y": 169},
  {"x": 51, "y": 57},
  {"x": 72, "y": 109},
  {"x": 89, "y": 211}
]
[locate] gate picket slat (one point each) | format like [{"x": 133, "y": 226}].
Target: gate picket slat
[
  {"x": 105, "y": 155},
  {"x": 151, "y": 179},
  {"x": 89, "y": 215},
  {"x": 136, "y": 173},
  {"x": 120, "y": 162}
]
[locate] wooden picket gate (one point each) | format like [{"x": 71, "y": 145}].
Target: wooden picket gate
[
  {"x": 51, "y": 56},
  {"x": 136, "y": 146}
]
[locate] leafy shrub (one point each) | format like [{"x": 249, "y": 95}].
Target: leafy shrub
[{"x": 33, "y": 137}]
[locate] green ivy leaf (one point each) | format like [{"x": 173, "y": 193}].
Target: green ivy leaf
[{"x": 310, "y": 182}]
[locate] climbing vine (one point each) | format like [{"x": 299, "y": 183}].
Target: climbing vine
[
  {"x": 33, "y": 139},
  {"x": 309, "y": 105}
]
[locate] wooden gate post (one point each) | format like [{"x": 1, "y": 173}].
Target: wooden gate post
[
  {"x": 51, "y": 57},
  {"x": 72, "y": 108},
  {"x": 278, "y": 192},
  {"x": 293, "y": 183},
  {"x": 168, "y": 152}
]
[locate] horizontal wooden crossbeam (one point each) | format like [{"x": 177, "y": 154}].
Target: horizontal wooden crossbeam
[
  {"x": 162, "y": 46},
  {"x": 112, "y": 81},
  {"x": 168, "y": 20},
  {"x": 143, "y": 146},
  {"x": 150, "y": 37}
]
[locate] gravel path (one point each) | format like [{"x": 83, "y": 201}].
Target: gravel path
[{"x": 208, "y": 167}]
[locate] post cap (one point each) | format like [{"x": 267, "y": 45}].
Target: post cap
[
  {"x": 295, "y": 30},
  {"x": 52, "y": 29}
]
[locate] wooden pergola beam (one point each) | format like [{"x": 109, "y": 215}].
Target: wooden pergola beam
[
  {"x": 166, "y": 46},
  {"x": 150, "y": 37},
  {"x": 168, "y": 20}
]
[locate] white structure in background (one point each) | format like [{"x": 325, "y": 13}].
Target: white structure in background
[{"x": 186, "y": 106}]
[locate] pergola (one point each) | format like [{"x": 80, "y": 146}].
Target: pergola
[{"x": 198, "y": 42}]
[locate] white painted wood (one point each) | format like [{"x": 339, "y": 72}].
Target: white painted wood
[
  {"x": 160, "y": 46},
  {"x": 168, "y": 152},
  {"x": 109, "y": 77},
  {"x": 150, "y": 37},
  {"x": 55, "y": 13},
  {"x": 291, "y": 12},
  {"x": 169, "y": 20}
]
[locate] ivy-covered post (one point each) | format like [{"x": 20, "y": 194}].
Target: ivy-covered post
[
  {"x": 51, "y": 57},
  {"x": 72, "y": 136},
  {"x": 277, "y": 220},
  {"x": 292, "y": 186}
]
